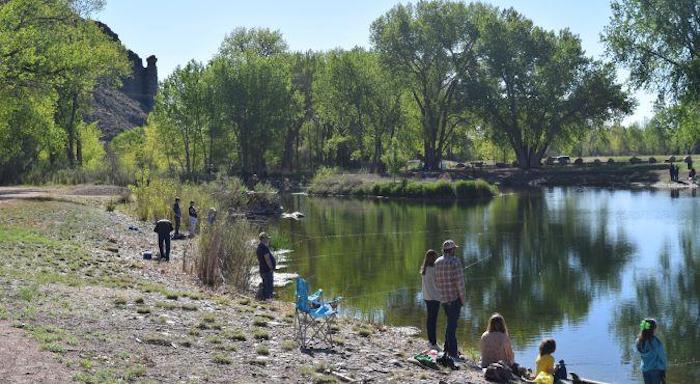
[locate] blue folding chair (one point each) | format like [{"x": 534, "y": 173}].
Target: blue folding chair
[{"x": 314, "y": 318}]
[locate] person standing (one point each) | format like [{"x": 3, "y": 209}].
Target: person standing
[
  {"x": 449, "y": 279},
  {"x": 178, "y": 215},
  {"x": 266, "y": 263},
  {"x": 430, "y": 296},
  {"x": 193, "y": 219},
  {"x": 163, "y": 228},
  {"x": 653, "y": 354}
]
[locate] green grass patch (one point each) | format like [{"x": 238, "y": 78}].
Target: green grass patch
[
  {"x": 261, "y": 334},
  {"x": 370, "y": 185},
  {"x": 262, "y": 350},
  {"x": 236, "y": 335},
  {"x": 221, "y": 359}
]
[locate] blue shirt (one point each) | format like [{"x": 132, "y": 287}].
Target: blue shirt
[{"x": 653, "y": 355}]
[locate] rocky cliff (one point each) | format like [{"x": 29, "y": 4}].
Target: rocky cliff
[{"x": 116, "y": 110}]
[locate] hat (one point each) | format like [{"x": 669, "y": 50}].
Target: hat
[
  {"x": 448, "y": 244},
  {"x": 263, "y": 235}
]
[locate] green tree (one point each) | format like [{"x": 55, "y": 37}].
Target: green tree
[
  {"x": 180, "y": 115},
  {"x": 536, "y": 87},
  {"x": 659, "y": 41},
  {"x": 428, "y": 44}
]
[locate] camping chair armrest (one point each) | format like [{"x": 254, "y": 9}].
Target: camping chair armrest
[{"x": 314, "y": 298}]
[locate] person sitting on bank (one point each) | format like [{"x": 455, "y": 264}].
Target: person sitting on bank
[
  {"x": 163, "y": 228},
  {"x": 495, "y": 345},
  {"x": 266, "y": 265},
  {"x": 193, "y": 219},
  {"x": 430, "y": 296}
]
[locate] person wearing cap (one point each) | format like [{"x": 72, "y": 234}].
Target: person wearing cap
[
  {"x": 449, "y": 279},
  {"x": 178, "y": 215},
  {"x": 193, "y": 219},
  {"x": 163, "y": 228},
  {"x": 266, "y": 263}
]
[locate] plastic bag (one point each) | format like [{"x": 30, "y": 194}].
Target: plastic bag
[{"x": 544, "y": 378}]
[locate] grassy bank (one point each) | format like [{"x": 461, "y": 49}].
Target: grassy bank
[
  {"x": 329, "y": 184},
  {"x": 76, "y": 286}
]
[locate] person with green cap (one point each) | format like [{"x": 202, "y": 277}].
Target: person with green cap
[{"x": 652, "y": 352}]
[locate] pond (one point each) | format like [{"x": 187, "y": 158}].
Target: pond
[{"x": 583, "y": 266}]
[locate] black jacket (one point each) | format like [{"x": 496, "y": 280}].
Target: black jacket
[{"x": 163, "y": 227}]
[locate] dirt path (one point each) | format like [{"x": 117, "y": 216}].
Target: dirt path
[{"x": 24, "y": 362}]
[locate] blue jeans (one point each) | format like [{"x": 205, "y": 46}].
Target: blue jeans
[
  {"x": 267, "y": 281},
  {"x": 164, "y": 246},
  {"x": 433, "y": 307},
  {"x": 653, "y": 376},
  {"x": 452, "y": 310}
]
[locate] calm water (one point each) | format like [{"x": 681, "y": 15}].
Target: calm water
[{"x": 581, "y": 266}]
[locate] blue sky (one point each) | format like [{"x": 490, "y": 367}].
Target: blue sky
[{"x": 177, "y": 31}]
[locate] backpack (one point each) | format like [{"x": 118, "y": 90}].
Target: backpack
[
  {"x": 498, "y": 372},
  {"x": 560, "y": 371}
]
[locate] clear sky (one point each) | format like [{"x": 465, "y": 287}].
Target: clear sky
[{"x": 177, "y": 31}]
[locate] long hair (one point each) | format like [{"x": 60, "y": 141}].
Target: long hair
[
  {"x": 429, "y": 260},
  {"x": 497, "y": 324},
  {"x": 646, "y": 332}
]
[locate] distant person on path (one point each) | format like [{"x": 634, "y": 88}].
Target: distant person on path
[
  {"x": 431, "y": 296},
  {"x": 266, "y": 264},
  {"x": 178, "y": 216},
  {"x": 163, "y": 228},
  {"x": 495, "y": 345},
  {"x": 449, "y": 279},
  {"x": 193, "y": 219},
  {"x": 652, "y": 352},
  {"x": 211, "y": 216}
]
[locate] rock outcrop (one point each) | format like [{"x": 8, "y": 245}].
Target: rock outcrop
[{"x": 116, "y": 110}]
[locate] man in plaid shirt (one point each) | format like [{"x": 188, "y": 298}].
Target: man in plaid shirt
[{"x": 449, "y": 279}]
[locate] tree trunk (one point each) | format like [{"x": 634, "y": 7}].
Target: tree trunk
[
  {"x": 70, "y": 130},
  {"x": 528, "y": 157},
  {"x": 79, "y": 150}
]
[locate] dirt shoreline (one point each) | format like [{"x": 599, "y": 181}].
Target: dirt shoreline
[{"x": 75, "y": 284}]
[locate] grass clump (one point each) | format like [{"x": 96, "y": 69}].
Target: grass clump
[
  {"x": 236, "y": 335},
  {"x": 156, "y": 339},
  {"x": 143, "y": 310},
  {"x": 261, "y": 334},
  {"x": 288, "y": 345},
  {"x": 262, "y": 350},
  {"x": 225, "y": 255},
  {"x": 134, "y": 372},
  {"x": 260, "y": 322},
  {"x": 221, "y": 359}
]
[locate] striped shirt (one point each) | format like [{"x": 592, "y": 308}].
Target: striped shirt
[{"x": 449, "y": 278}]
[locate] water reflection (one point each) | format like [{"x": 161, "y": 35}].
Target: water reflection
[{"x": 568, "y": 263}]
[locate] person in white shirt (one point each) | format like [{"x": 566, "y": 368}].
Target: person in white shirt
[{"x": 431, "y": 296}]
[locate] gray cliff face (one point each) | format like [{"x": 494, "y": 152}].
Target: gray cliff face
[{"x": 116, "y": 110}]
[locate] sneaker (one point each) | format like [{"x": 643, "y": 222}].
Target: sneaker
[{"x": 459, "y": 359}]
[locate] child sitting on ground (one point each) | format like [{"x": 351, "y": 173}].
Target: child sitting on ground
[{"x": 545, "y": 362}]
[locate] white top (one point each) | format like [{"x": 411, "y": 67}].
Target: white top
[{"x": 430, "y": 291}]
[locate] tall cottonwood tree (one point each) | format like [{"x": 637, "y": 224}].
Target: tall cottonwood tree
[
  {"x": 534, "y": 87},
  {"x": 428, "y": 44}
]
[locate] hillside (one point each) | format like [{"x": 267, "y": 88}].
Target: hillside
[{"x": 116, "y": 110}]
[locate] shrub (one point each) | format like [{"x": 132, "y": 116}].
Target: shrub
[
  {"x": 224, "y": 255},
  {"x": 476, "y": 189}
]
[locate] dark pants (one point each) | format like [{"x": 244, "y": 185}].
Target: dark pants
[
  {"x": 452, "y": 310},
  {"x": 654, "y": 376},
  {"x": 177, "y": 225},
  {"x": 267, "y": 287},
  {"x": 164, "y": 246},
  {"x": 431, "y": 324}
]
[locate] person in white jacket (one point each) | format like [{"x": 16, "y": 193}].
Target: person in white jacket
[{"x": 431, "y": 296}]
